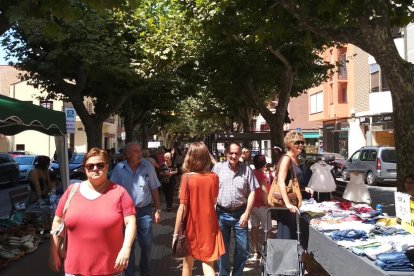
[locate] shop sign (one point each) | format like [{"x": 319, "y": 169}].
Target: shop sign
[
  {"x": 382, "y": 118},
  {"x": 364, "y": 120}
]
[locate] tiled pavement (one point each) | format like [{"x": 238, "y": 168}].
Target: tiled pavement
[{"x": 163, "y": 264}]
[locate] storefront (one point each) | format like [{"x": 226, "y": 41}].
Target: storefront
[
  {"x": 335, "y": 137},
  {"x": 312, "y": 141},
  {"x": 382, "y": 128}
]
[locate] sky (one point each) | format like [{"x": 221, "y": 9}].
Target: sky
[{"x": 2, "y": 56}]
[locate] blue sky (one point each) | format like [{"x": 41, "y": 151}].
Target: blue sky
[{"x": 2, "y": 56}]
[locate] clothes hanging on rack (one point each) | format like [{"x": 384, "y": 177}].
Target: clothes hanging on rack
[
  {"x": 322, "y": 179},
  {"x": 356, "y": 190}
]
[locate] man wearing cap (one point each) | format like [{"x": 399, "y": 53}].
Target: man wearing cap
[{"x": 237, "y": 186}]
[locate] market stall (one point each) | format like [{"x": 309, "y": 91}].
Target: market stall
[
  {"x": 353, "y": 239},
  {"x": 25, "y": 229}
]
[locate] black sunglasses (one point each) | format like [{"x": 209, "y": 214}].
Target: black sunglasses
[
  {"x": 92, "y": 166},
  {"x": 297, "y": 143}
]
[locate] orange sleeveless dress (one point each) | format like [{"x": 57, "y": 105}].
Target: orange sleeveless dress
[{"x": 202, "y": 228}]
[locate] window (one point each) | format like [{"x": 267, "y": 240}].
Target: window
[
  {"x": 316, "y": 102},
  {"x": 20, "y": 147},
  {"x": 342, "y": 95},
  {"x": 342, "y": 72},
  {"x": 378, "y": 80},
  {"x": 389, "y": 155},
  {"x": 355, "y": 156},
  {"x": 46, "y": 104}
]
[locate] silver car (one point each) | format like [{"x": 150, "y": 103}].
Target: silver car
[{"x": 377, "y": 163}]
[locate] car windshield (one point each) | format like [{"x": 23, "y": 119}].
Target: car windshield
[
  {"x": 77, "y": 159},
  {"x": 23, "y": 160},
  {"x": 389, "y": 155}
]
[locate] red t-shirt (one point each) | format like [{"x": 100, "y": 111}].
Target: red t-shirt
[
  {"x": 258, "y": 195},
  {"x": 95, "y": 230}
]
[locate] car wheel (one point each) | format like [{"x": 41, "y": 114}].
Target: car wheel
[
  {"x": 345, "y": 175},
  {"x": 371, "y": 179}
]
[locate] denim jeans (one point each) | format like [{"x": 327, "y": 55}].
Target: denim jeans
[
  {"x": 228, "y": 222},
  {"x": 144, "y": 235}
]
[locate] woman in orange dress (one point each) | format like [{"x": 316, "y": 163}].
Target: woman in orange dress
[{"x": 198, "y": 195}]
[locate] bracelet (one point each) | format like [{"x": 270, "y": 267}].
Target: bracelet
[
  {"x": 158, "y": 211},
  {"x": 175, "y": 235}
]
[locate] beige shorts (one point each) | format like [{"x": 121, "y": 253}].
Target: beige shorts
[{"x": 258, "y": 217}]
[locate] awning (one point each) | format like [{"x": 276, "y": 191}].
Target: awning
[
  {"x": 311, "y": 135},
  {"x": 17, "y": 116}
]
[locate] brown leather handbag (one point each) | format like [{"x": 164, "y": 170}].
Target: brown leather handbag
[
  {"x": 274, "y": 197},
  {"x": 180, "y": 247}
]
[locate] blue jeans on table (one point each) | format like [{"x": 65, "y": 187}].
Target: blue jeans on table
[
  {"x": 144, "y": 235},
  {"x": 228, "y": 222}
]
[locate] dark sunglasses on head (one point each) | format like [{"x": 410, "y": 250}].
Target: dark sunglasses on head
[
  {"x": 299, "y": 143},
  {"x": 92, "y": 166}
]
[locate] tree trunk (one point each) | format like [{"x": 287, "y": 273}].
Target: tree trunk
[
  {"x": 276, "y": 121},
  {"x": 93, "y": 130},
  {"x": 129, "y": 128},
  {"x": 93, "y": 125}
]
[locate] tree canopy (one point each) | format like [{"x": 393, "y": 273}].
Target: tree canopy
[{"x": 371, "y": 25}]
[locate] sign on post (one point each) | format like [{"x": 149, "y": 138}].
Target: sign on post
[{"x": 70, "y": 119}]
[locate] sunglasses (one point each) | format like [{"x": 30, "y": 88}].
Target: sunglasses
[
  {"x": 297, "y": 143},
  {"x": 91, "y": 166}
]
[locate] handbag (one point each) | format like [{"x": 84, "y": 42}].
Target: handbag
[
  {"x": 294, "y": 194},
  {"x": 61, "y": 232},
  {"x": 180, "y": 245}
]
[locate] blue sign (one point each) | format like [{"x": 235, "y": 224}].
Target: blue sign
[
  {"x": 70, "y": 119},
  {"x": 298, "y": 129}
]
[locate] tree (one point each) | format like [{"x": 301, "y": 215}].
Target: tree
[
  {"x": 12, "y": 11},
  {"x": 248, "y": 60},
  {"x": 89, "y": 59},
  {"x": 370, "y": 25}
]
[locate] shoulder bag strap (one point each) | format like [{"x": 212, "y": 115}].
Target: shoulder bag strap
[
  {"x": 292, "y": 170},
  {"x": 72, "y": 192}
]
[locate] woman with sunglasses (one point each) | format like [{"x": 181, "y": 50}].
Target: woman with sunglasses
[
  {"x": 100, "y": 223},
  {"x": 286, "y": 220}
]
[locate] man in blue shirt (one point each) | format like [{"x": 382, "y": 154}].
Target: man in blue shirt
[{"x": 138, "y": 177}]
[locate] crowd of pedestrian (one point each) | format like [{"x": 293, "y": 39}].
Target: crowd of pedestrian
[{"x": 227, "y": 194}]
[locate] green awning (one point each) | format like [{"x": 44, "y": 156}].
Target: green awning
[
  {"x": 17, "y": 116},
  {"x": 311, "y": 135}
]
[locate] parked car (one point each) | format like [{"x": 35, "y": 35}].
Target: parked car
[
  {"x": 75, "y": 164},
  {"x": 377, "y": 163},
  {"x": 9, "y": 170},
  {"x": 18, "y": 153},
  {"x": 26, "y": 163}
]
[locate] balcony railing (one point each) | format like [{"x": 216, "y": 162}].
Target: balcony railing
[{"x": 342, "y": 73}]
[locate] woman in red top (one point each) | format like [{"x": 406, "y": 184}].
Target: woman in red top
[
  {"x": 198, "y": 195},
  {"x": 95, "y": 220},
  {"x": 259, "y": 211}
]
